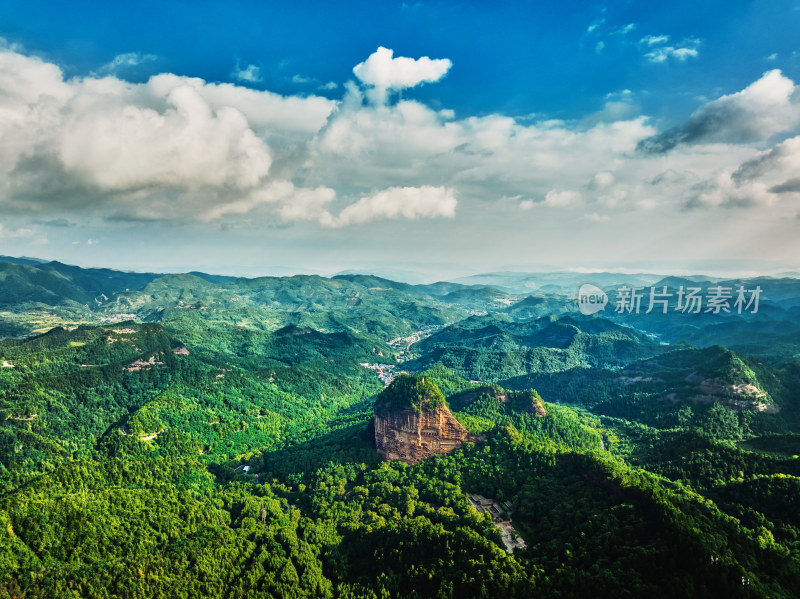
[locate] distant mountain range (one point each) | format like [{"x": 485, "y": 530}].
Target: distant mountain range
[
  {"x": 22, "y": 260},
  {"x": 55, "y": 293}
]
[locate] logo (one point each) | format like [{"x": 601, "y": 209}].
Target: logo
[
  {"x": 591, "y": 299},
  {"x": 717, "y": 300}
]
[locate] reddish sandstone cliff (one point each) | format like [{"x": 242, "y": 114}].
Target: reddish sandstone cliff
[
  {"x": 412, "y": 436},
  {"x": 412, "y": 421}
]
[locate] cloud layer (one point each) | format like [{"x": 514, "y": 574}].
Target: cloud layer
[
  {"x": 177, "y": 148},
  {"x": 763, "y": 109},
  {"x": 399, "y": 202}
]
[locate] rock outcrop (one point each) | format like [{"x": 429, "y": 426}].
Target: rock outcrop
[
  {"x": 412, "y": 422},
  {"x": 412, "y": 436},
  {"x": 537, "y": 407}
]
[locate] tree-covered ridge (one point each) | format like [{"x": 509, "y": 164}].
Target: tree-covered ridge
[
  {"x": 711, "y": 371},
  {"x": 350, "y": 528},
  {"x": 132, "y": 389},
  {"x": 37, "y": 296},
  {"x": 414, "y": 392},
  {"x": 54, "y": 283},
  {"x": 496, "y": 349},
  {"x": 632, "y": 467}
]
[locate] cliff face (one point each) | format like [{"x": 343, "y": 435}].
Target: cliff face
[{"x": 412, "y": 436}]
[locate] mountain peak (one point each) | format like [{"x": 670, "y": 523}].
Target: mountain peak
[
  {"x": 410, "y": 391},
  {"x": 412, "y": 421}
]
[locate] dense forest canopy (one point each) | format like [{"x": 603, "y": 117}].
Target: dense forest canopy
[
  {"x": 192, "y": 435},
  {"x": 408, "y": 391}
]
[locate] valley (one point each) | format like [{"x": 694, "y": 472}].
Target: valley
[{"x": 409, "y": 440}]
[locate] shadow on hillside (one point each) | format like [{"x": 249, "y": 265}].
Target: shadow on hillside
[{"x": 354, "y": 444}]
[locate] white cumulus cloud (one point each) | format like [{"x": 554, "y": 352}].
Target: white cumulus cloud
[
  {"x": 398, "y": 202},
  {"x": 384, "y": 72},
  {"x": 172, "y": 147},
  {"x": 766, "y": 107},
  {"x": 293, "y": 203},
  {"x": 118, "y": 145}
]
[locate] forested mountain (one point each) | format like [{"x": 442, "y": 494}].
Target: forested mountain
[
  {"x": 54, "y": 283},
  {"x": 190, "y": 435}
]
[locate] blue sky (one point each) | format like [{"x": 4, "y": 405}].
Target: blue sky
[
  {"x": 535, "y": 131},
  {"x": 511, "y": 57}
]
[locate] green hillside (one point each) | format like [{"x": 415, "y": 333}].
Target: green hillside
[
  {"x": 195, "y": 435},
  {"x": 410, "y": 392}
]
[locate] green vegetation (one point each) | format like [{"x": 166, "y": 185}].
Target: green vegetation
[
  {"x": 633, "y": 469},
  {"x": 409, "y": 391}
]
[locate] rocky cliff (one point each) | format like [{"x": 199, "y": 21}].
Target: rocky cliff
[
  {"x": 412, "y": 436},
  {"x": 412, "y": 422}
]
